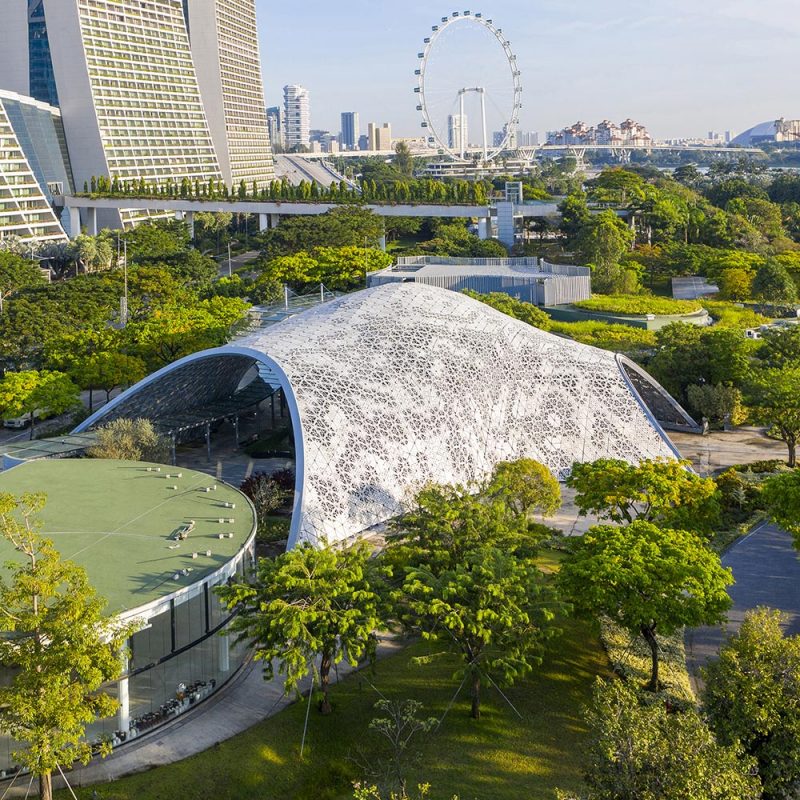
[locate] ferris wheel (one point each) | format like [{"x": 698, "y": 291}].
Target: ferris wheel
[{"x": 468, "y": 74}]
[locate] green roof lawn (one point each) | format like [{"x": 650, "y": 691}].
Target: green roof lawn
[{"x": 116, "y": 519}]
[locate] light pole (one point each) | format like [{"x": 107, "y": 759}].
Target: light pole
[{"x": 230, "y": 271}]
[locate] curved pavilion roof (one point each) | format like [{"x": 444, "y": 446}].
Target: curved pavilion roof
[{"x": 400, "y": 385}]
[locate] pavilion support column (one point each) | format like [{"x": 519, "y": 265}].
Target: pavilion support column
[
  {"x": 274, "y": 220},
  {"x": 91, "y": 221},
  {"x": 263, "y": 222},
  {"x": 189, "y": 219},
  {"x": 382, "y": 243},
  {"x": 485, "y": 228},
  {"x": 208, "y": 439},
  {"x": 123, "y": 696}
]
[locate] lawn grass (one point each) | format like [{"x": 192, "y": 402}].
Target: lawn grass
[{"x": 500, "y": 757}]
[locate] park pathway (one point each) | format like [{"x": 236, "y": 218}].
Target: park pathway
[{"x": 767, "y": 572}]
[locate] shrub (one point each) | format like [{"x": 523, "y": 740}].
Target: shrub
[
  {"x": 130, "y": 440},
  {"x": 607, "y": 335},
  {"x": 729, "y": 315},
  {"x": 638, "y": 305},
  {"x": 267, "y": 496},
  {"x": 717, "y": 402}
]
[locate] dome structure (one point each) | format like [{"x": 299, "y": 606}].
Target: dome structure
[{"x": 400, "y": 385}]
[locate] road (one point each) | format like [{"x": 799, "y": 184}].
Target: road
[
  {"x": 767, "y": 573},
  {"x": 236, "y": 262},
  {"x": 297, "y": 169}
]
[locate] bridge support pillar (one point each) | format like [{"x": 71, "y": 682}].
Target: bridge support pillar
[
  {"x": 91, "y": 221},
  {"x": 74, "y": 221},
  {"x": 485, "y": 228},
  {"x": 263, "y": 222}
]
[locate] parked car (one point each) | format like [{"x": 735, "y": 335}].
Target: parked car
[{"x": 18, "y": 423}]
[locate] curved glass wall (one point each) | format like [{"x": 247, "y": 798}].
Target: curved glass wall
[{"x": 180, "y": 657}]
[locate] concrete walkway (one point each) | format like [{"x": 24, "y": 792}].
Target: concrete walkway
[
  {"x": 244, "y": 701},
  {"x": 767, "y": 572}
]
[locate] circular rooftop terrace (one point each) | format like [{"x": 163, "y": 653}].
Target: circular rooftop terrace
[{"x": 121, "y": 521}]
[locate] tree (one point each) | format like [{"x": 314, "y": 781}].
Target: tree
[
  {"x": 735, "y": 284},
  {"x": 525, "y": 312},
  {"x": 173, "y": 331},
  {"x": 130, "y": 440},
  {"x": 16, "y": 273},
  {"x": 490, "y": 608},
  {"x": 773, "y": 396},
  {"x": 25, "y": 393},
  {"x": 446, "y": 523},
  {"x": 526, "y": 486},
  {"x": 752, "y": 696},
  {"x": 107, "y": 370},
  {"x": 781, "y": 497},
  {"x": 398, "y": 728},
  {"x": 780, "y": 347},
  {"x": 603, "y": 239},
  {"x": 646, "y": 579},
  {"x": 638, "y": 750},
  {"x": 59, "y": 646},
  {"x": 310, "y": 605},
  {"x": 774, "y": 285},
  {"x": 403, "y": 160},
  {"x": 665, "y": 492},
  {"x": 718, "y": 403}
]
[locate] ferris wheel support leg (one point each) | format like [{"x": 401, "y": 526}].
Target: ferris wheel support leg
[{"x": 483, "y": 120}]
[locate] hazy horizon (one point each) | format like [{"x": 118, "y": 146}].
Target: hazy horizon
[{"x": 682, "y": 70}]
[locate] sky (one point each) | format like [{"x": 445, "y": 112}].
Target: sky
[{"x": 681, "y": 67}]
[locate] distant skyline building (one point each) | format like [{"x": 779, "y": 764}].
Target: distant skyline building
[
  {"x": 296, "y": 116},
  {"x": 275, "y": 127},
  {"x": 627, "y": 133},
  {"x": 351, "y": 130},
  {"x": 224, "y": 41},
  {"x": 379, "y": 138},
  {"x": 34, "y": 166},
  {"x": 458, "y": 132}
]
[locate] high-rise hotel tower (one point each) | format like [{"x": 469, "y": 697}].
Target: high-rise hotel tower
[
  {"x": 138, "y": 97},
  {"x": 224, "y": 40}
]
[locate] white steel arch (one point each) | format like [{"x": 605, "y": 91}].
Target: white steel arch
[{"x": 404, "y": 384}]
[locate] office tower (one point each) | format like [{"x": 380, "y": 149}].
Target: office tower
[
  {"x": 363, "y": 142},
  {"x": 32, "y": 167},
  {"x": 224, "y": 41},
  {"x": 457, "y": 132},
  {"x": 379, "y": 138},
  {"x": 296, "y": 117},
  {"x": 275, "y": 127},
  {"x": 351, "y": 130}
]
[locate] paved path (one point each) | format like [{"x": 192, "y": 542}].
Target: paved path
[
  {"x": 243, "y": 702},
  {"x": 767, "y": 572}
]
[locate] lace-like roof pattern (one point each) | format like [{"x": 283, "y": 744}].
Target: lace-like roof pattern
[{"x": 405, "y": 384}]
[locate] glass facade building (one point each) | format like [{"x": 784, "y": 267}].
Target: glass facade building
[
  {"x": 164, "y": 584},
  {"x": 42, "y": 77},
  {"x": 33, "y": 168}
]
